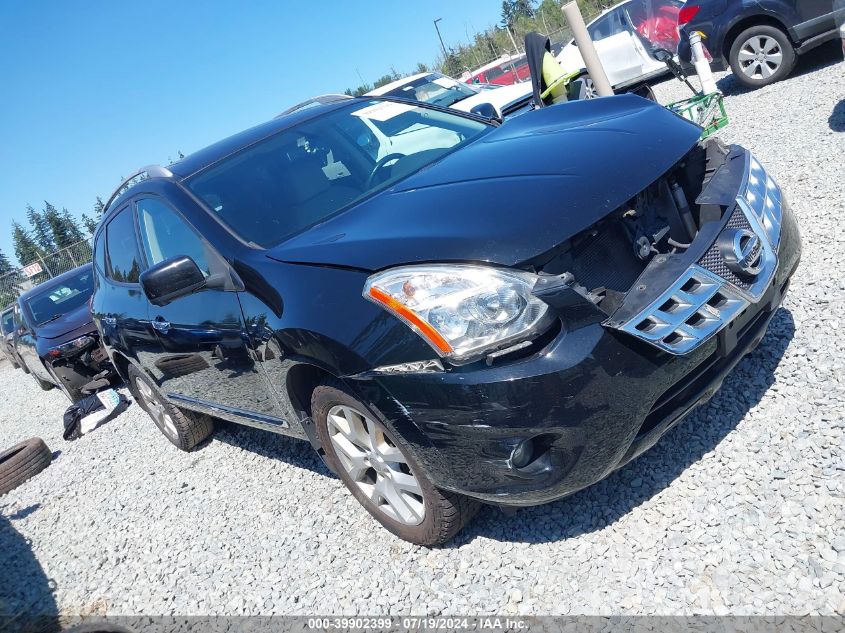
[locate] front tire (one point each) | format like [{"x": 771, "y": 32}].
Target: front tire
[
  {"x": 378, "y": 468},
  {"x": 761, "y": 55},
  {"x": 184, "y": 429}
]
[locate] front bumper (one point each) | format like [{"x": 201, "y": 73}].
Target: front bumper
[
  {"x": 76, "y": 372},
  {"x": 593, "y": 399}
]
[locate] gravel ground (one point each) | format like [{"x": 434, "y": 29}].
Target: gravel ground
[{"x": 737, "y": 510}]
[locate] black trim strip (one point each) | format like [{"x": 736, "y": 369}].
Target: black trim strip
[{"x": 241, "y": 413}]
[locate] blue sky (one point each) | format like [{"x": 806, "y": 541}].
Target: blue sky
[{"x": 95, "y": 89}]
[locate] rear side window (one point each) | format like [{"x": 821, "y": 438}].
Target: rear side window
[
  {"x": 8, "y": 322},
  {"x": 100, "y": 252},
  {"x": 165, "y": 234},
  {"x": 607, "y": 26},
  {"x": 123, "y": 261}
]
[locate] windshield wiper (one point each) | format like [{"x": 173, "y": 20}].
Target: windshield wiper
[{"x": 51, "y": 319}]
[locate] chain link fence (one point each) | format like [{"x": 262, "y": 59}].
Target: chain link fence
[{"x": 45, "y": 267}]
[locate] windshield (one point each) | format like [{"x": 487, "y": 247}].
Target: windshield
[
  {"x": 7, "y": 323},
  {"x": 59, "y": 299},
  {"x": 308, "y": 172},
  {"x": 434, "y": 89}
]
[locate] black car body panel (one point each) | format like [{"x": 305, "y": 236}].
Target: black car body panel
[
  {"x": 807, "y": 22},
  {"x": 555, "y": 152},
  {"x": 34, "y": 342},
  {"x": 590, "y": 396}
]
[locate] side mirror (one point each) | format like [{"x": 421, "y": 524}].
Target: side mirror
[
  {"x": 173, "y": 278},
  {"x": 487, "y": 111}
]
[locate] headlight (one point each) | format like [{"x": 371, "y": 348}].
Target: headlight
[
  {"x": 71, "y": 347},
  {"x": 461, "y": 310}
]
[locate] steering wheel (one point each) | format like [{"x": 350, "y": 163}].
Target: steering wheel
[{"x": 380, "y": 164}]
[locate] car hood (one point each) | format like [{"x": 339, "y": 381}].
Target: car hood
[
  {"x": 76, "y": 322},
  {"x": 513, "y": 194},
  {"x": 499, "y": 98}
]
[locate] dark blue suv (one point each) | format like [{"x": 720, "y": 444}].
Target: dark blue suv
[{"x": 759, "y": 39}]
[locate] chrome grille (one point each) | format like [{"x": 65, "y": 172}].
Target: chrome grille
[
  {"x": 715, "y": 262},
  {"x": 763, "y": 197},
  {"x": 709, "y": 295},
  {"x": 694, "y": 308}
]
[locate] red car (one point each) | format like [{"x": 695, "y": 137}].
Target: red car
[{"x": 502, "y": 73}]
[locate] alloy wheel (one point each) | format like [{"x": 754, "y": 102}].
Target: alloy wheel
[
  {"x": 375, "y": 464},
  {"x": 156, "y": 409},
  {"x": 589, "y": 88},
  {"x": 760, "y": 57}
]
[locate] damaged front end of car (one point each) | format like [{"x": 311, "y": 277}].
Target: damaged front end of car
[{"x": 676, "y": 264}]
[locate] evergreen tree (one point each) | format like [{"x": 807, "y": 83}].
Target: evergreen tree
[
  {"x": 9, "y": 282},
  {"x": 512, "y": 10},
  {"x": 90, "y": 222},
  {"x": 72, "y": 228},
  {"x": 41, "y": 232},
  {"x": 58, "y": 230},
  {"x": 5, "y": 264},
  {"x": 99, "y": 207},
  {"x": 26, "y": 249}
]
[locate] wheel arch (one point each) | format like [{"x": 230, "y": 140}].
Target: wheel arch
[
  {"x": 301, "y": 381},
  {"x": 121, "y": 366},
  {"x": 748, "y": 22}
]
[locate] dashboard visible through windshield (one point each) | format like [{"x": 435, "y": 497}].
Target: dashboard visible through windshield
[{"x": 308, "y": 172}]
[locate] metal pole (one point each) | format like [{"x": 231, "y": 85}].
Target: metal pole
[
  {"x": 513, "y": 41},
  {"x": 46, "y": 267},
  {"x": 588, "y": 51},
  {"x": 440, "y": 37}
]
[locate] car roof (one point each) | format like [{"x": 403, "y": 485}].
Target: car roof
[
  {"x": 208, "y": 155},
  {"x": 55, "y": 281},
  {"x": 399, "y": 82},
  {"x": 314, "y": 101},
  {"x": 199, "y": 160}
]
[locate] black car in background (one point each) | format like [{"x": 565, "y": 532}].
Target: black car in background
[
  {"x": 9, "y": 324},
  {"x": 759, "y": 39},
  {"x": 57, "y": 341},
  {"x": 505, "y": 314}
]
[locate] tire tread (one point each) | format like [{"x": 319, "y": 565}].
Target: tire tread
[{"x": 31, "y": 459}]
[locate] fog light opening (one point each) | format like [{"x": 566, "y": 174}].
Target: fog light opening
[{"x": 522, "y": 454}]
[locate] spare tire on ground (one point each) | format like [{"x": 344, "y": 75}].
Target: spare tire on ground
[{"x": 22, "y": 462}]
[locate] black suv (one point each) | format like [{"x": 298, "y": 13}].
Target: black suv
[
  {"x": 759, "y": 39},
  {"x": 502, "y": 314}
]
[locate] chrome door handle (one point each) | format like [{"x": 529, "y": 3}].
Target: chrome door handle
[{"x": 161, "y": 325}]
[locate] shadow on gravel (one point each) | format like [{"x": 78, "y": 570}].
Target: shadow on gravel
[
  {"x": 27, "y": 604},
  {"x": 287, "y": 449},
  {"x": 836, "y": 121},
  {"x": 816, "y": 59},
  {"x": 601, "y": 504}
]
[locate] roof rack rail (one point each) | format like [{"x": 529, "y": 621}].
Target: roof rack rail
[{"x": 150, "y": 171}]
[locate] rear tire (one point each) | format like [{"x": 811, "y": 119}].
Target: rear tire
[
  {"x": 382, "y": 473},
  {"x": 22, "y": 462},
  {"x": 761, "y": 55},
  {"x": 184, "y": 429}
]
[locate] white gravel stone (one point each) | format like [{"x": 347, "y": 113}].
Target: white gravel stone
[{"x": 723, "y": 515}]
